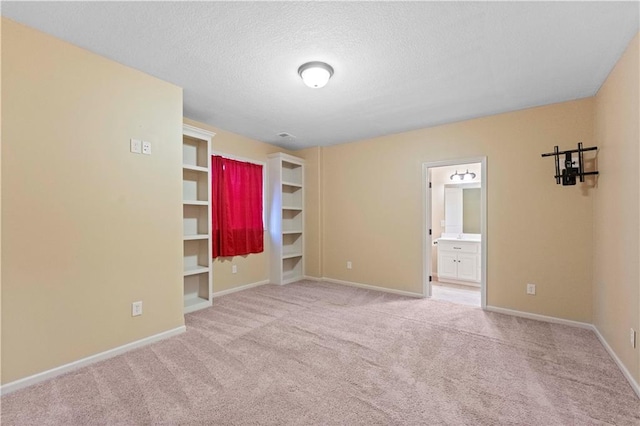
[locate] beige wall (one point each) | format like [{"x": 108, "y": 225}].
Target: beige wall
[
  {"x": 88, "y": 227},
  {"x": 372, "y": 208},
  {"x": 471, "y": 211},
  {"x": 253, "y": 268},
  {"x": 617, "y": 213}
]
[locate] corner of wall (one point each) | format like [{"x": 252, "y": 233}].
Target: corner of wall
[{"x": 616, "y": 289}]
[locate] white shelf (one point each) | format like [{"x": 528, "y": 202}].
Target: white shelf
[
  {"x": 291, "y": 269},
  {"x": 196, "y": 291},
  {"x": 291, "y": 169},
  {"x": 195, "y": 185},
  {"x": 197, "y": 280},
  {"x": 286, "y": 183},
  {"x": 196, "y": 237},
  {"x": 194, "y": 270},
  {"x": 192, "y": 304},
  {"x": 291, "y": 255},
  {"x": 195, "y": 220},
  {"x": 195, "y": 168},
  {"x": 291, "y": 220}
]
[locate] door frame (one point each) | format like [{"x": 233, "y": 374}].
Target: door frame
[{"x": 427, "y": 246}]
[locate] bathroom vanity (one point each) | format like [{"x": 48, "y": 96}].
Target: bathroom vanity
[{"x": 459, "y": 259}]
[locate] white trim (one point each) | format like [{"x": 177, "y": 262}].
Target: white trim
[
  {"x": 287, "y": 157},
  {"x": 485, "y": 234},
  {"x": 238, "y": 158},
  {"x": 427, "y": 246},
  {"x": 196, "y": 132},
  {"x": 83, "y": 362},
  {"x": 372, "y": 287},
  {"x": 310, "y": 278},
  {"x": 242, "y": 287},
  {"x": 625, "y": 372},
  {"x": 538, "y": 317},
  {"x": 427, "y": 240}
]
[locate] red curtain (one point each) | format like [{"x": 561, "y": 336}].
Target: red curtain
[{"x": 236, "y": 195}]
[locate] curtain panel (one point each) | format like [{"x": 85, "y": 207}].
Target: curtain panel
[{"x": 236, "y": 211}]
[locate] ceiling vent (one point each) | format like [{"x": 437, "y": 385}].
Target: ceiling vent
[{"x": 286, "y": 135}]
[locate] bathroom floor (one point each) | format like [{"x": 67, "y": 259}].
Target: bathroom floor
[{"x": 454, "y": 293}]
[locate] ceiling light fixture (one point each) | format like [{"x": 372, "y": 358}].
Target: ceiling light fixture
[
  {"x": 463, "y": 176},
  {"x": 315, "y": 74}
]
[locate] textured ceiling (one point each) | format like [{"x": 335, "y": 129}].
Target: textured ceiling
[{"x": 398, "y": 66}]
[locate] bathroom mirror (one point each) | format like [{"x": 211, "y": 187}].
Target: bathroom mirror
[{"x": 462, "y": 208}]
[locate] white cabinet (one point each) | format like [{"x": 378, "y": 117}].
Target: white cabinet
[
  {"x": 459, "y": 261},
  {"x": 286, "y": 224},
  {"x": 196, "y": 218}
]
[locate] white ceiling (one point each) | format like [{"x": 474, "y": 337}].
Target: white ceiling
[{"x": 398, "y": 65}]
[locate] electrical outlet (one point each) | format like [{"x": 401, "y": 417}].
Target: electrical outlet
[
  {"x": 136, "y": 308},
  {"x": 136, "y": 146},
  {"x": 146, "y": 147},
  {"x": 234, "y": 269},
  {"x": 349, "y": 264},
  {"x": 632, "y": 338},
  {"x": 531, "y": 289}
]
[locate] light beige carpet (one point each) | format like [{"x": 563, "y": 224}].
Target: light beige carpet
[{"x": 324, "y": 354}]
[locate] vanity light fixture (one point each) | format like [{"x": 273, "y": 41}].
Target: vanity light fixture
[
  {"x": 315, "y": 74},
  {"x": 463, "y": 176}
]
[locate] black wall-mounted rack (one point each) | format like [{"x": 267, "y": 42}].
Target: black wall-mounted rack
[{"x": 570, "y": 171}]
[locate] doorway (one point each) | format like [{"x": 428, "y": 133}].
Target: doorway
[{"x": 455, "y": 231}]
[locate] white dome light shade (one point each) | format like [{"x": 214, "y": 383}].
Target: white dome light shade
[{"x": 315, "y": 74}]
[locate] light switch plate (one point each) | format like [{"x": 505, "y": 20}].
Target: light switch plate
[
  {"x": 531, "y": 289},
  {"x": 146, "y": 147},
  {"x": 136, "y": 308},
  {"x": 136, "y": 146}
]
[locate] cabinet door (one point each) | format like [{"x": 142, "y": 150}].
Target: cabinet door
[
  {"x": 447, "y": 265},
  {"x": 467, "y": 268}
]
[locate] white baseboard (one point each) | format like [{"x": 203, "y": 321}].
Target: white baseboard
[
  {"x": 242, "y": 287},
  {"x": 49, "y": 374},
  {"x": 372, "y": 287},
  {"x": 625, "y": 372},
  {"x": 310, "y": 278},
  {"x": 539, "y": 317}
]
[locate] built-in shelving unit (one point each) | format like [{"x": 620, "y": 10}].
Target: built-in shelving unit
[
  {"x": 196, "y": 218},
  {"x": 286, "y": 184}
]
